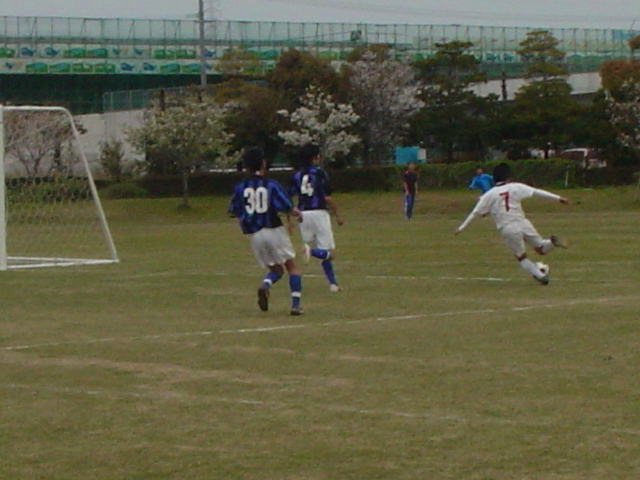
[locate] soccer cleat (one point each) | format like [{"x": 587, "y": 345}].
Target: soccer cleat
[
  {"x": 334, "y": 288},
  {"x": 557, "y": 242},
  {"x": 296, "y": 311},
  {"x": 542, "y": 281},
  {"x": 263, "y": 299},
  {"x": 306, "y": 254}
]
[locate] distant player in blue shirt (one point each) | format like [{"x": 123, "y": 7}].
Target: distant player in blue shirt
[
  {"x": 311, "y": 185},
  {"x": 410, "y": 184},
  {"x": 482, "y": 181},
  {"x": 256, "y": 202}
]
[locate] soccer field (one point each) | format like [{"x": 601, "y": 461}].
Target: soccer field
[{"x": 441, "y": 359}]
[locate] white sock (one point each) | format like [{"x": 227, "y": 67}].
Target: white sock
[{"x": 530, "y": 267}]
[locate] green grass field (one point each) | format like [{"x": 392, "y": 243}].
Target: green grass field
[{"x": 441, "y": 359}]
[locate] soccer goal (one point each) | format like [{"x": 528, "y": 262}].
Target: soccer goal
[{"x": 50, "y": 212}]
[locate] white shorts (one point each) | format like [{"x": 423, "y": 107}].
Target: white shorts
[
  {"x": 515, "y": 234},
  {"x": 316, "y": 228},
  {"x": 271, "y": 246}
]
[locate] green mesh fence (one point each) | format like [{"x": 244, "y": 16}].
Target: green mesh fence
[{"x": 134, "y": 52}]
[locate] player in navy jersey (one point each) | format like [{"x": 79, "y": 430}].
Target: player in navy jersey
[
  {"x": 256, "y": 202},
  {"x": 410, "y": 184},
  {"x": 311, "y": 185}
]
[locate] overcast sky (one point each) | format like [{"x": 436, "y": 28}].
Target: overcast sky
[{"x": 621, "y": 14}]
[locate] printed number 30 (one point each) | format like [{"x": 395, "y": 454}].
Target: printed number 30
[{"x": 256, "y": 200}]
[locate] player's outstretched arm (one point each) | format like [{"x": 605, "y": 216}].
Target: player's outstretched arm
[
  {"x": 472, "y": 216},
  {"x": 538, "y": 192}
]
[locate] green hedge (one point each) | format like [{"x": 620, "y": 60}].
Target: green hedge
[
  {"x": 540, "y": 173},
  {"x": 609, "y": 176},
  {"x": 200, "y": 184}
]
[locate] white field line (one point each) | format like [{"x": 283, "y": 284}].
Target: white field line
[
  {"x": 101, "y": 393},
  {"x": 313, "y": 275},
  {"x": 437, "y": 415},
  {"x": 371, "y": 277},
  {"x": 275, "y": 328}
]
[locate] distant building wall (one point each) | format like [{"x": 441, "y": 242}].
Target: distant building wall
[
  {"x": 109, "y": 126},
  {"x": 582, "y": 84}
]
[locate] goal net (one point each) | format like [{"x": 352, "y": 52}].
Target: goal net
[{"x": 50, "y": 212}]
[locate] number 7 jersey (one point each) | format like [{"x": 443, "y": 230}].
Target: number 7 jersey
[
  {"x": 504, "y": 202},
  {"x": 256, "y": 202},
  {"x": 311, "y": 185}
]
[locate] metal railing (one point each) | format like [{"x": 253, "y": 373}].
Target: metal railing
[{"x": 122, "y": 42}]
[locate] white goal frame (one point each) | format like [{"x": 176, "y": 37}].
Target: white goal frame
[{"x": 37, "y": 262}]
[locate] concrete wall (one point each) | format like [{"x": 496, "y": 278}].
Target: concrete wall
[
  {"x": 582, "y": 83},
  {"x": 108, "y": 126}
]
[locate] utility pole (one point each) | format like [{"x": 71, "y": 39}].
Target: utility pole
[{"x": 203, "y": 57}]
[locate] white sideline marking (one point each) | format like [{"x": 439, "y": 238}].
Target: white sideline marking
[
  {"x": 484, "y": 279},
  {"x": 314, "y": 275},
  {"x": 242, "y": 401},
  {"x": 325, "y": 324},
  {"x": 436, "y": 415}
]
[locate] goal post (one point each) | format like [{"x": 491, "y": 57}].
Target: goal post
[
  {"x": 3, "y": 206},
  {"x": 50, "y": 210}
]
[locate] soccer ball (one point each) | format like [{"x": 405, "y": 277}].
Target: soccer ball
[{"x": 543, "y": 267}]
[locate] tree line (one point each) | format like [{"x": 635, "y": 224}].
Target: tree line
[{"x": 374, "y": 101}]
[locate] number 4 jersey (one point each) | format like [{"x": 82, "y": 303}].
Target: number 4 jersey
[
  {"x": 504, "y": 203},
  {"x": 256, "y": 202},
  {"x": 311, "y": 185}
]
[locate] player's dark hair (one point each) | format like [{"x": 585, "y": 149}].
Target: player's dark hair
[
  {"x": 501, "y": 173},
  {"x": 307, "y": 153},
  {"x": 252, "y": 159}
]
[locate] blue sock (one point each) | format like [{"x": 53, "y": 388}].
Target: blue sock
[
  {"x": 321, "y": 254},
  {"x": 295, "y": 285},
  {"x": 271, "y": 278},
  {"x": 327, "y": 266}
]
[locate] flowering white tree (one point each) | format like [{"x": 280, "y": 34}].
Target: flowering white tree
[
  {"x": 184, "y": 132},
  {"x": 625, "y": 114},
  {"x": 41, "y": 142},
  {"x": 323, "y": 122},
  {"x": 386, "y": 95}
]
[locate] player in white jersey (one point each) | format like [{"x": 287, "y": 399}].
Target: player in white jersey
[{"x": 503, "y": 204}]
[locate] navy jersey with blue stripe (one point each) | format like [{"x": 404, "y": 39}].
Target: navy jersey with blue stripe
[
  {"x": 256, "y": 202},
  {"x": 311, "y": 185}
]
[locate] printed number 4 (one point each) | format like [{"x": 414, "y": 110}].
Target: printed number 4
[
  {"x": 306, "y": 187},
  {"x": 505, "y": 196}
]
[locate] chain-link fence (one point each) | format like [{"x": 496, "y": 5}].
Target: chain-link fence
[{"x": 136, "y": 46}]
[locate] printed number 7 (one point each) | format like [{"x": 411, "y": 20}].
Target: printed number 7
[{"x": 505, "y": 196}]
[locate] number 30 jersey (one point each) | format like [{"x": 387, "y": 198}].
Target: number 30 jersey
[
  {"x": 311, "y": 185},
  {"x": 504, "y": 203},
  {"x": 256, "y": 202}
]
